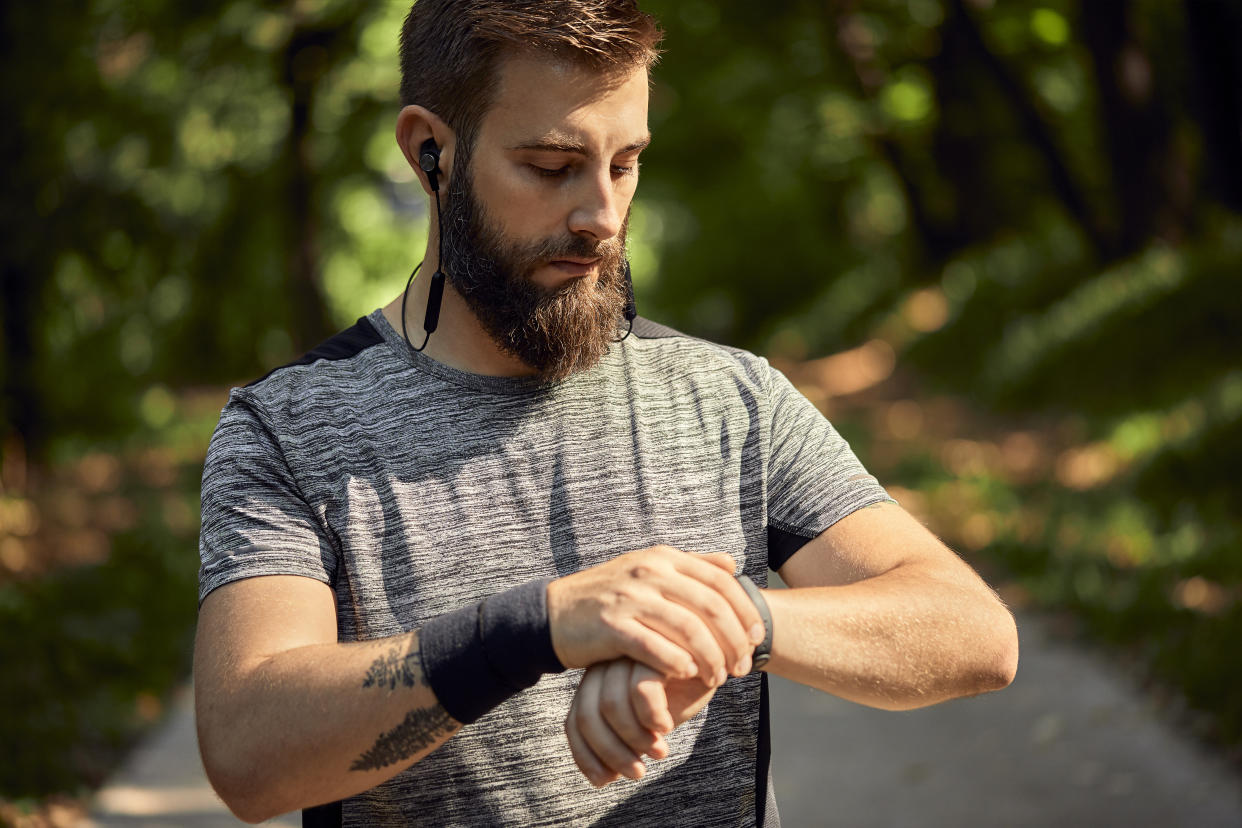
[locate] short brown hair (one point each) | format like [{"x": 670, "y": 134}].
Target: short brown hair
[{"x": 451, "y": 49}]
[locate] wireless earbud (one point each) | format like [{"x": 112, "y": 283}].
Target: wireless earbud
[
  {"x": 429, "y": 162},
  {"x": 630, "y": 310}
]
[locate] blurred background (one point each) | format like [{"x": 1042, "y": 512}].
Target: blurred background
[{"x": 998, "y": 243}]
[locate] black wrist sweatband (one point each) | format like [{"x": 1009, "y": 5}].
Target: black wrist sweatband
[
  {"x": 476, "y": 657},
  {"x": 763, "y": 652}
]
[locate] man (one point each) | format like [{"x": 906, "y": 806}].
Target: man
[{"x": 411, "y": 533}]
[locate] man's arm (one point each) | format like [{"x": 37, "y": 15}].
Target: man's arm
[
  {"x": 882, "y": 613},
  {"x": 879, "y": 612},
  {"x": 290, "y": 718}
]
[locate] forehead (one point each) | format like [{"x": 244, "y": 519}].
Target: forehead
[{"x": 539, "y": 99}]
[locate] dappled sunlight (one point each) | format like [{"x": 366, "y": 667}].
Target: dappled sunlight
[
  {"x": 968, "y": 458},
  {"x": 57, "y": 812},
  {"x": 987, "y": 484},
  {"x": 904, "y": 420},
  {"x": 1086, "y": 467},
  {"x": 1023, "y": 456},
  {"x": 1198, "y": 594},
  {"x": 98, "y": 472},
  {"x": 135, "y": 801},
  {"x": 912, "y": 501},
  {"x": 850, "y": 371},
  {"x": 926, "y": 310},
  {"x": 72, "y": 516}
]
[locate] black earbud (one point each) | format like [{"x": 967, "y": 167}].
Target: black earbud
[
  {"x": 429, "y": 162},
  {"x": 631, "y": 310}
]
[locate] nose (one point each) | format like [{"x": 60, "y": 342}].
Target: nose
[{"x": 598, "y": 212}]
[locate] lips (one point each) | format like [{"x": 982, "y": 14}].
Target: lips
[{"x": 574, "y": 266}]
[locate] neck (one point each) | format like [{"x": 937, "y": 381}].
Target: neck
[{"x": 459, "y": 340}]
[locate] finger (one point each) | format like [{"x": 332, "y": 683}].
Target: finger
[
  {"x": 727, "y": 587},
  {"x": 590, "y": 765},
  {"x": 618, "y": 712},
  {"x": 721, "y": 559},
  {"x": 647, "y": 646},
  {"x": 650, "y": 700},
  {"x": 719, "y": 616},
  {"x": 679, "y": 618},
  {"x": 612, "y": 753}
]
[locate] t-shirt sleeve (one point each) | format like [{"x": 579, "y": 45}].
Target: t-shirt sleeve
[
  {"x": 814, "y": 478},
  {"x": 255, "y": 520}
]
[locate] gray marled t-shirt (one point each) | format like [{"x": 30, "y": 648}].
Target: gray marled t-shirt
[{"x": 413, "y": 489}]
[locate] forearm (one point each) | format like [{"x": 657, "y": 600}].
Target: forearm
[
  {"x": 903, "y": 639},
  {"x": 319, "y": 723},
  {"x": 289, "y": 718}
]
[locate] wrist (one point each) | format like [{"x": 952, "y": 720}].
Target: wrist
[{"x": 478, "y": 656}]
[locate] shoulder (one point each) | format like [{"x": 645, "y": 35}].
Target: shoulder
[
  {"x": 338, "y": 351},
  {"x": 683, "y": 352},
  {"x": 341, "y": 369},
  {"x": 323, "y": 388}
]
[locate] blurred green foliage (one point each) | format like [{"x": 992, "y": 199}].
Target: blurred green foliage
[{"x": 1032, "y": 205}]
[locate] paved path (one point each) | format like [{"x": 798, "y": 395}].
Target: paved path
[
  {"x": 1069, "y": 744},
  {"x": 163, "y": 785}
]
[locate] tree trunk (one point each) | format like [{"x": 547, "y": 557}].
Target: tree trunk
[
  {"x": 1148, "y": 177},
  {"x": 305, "y": 62},
  {"x": 21, "y": 410},
  {"x": 1034, "y": 125},
  {"x": 1214, "y": 29}
]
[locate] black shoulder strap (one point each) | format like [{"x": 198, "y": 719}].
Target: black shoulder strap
[
  {"x": 322, "y": 816},
  {"x": 644, "y": 328}
]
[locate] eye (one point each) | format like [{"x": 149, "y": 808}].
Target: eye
[
  {"x": 545, "y": 172},
  {"x": 625, "y": 169}
]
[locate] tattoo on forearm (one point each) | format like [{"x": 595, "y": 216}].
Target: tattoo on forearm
[
  {"x": 421, "y": 729},
  {"x": 394, "y": 669}
]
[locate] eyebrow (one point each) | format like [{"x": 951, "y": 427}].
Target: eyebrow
[{"x": 572, "y": 146}]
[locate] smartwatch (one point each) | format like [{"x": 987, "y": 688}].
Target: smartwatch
[{"x": 763, "y": 652}]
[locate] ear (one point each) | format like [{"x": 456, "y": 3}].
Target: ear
[{"x": 415, "y": 124}]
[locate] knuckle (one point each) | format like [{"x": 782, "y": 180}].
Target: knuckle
[
  {"x": 686, "y": 629},
  {"x": 713, "y": 612},
  {"x": 611, "y": 615},
  {"x": 645, "y": 701},
  {"x": 640, "y": 570},
  {"x": 609, "y": 706}
]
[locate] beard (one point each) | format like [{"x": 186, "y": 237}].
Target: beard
[{"x": 556, "y": 331}]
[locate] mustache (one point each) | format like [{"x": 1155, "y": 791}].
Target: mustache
[{"x": 575, "y": 247}]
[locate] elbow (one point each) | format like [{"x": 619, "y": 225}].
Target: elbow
[
  {"x": 239, "y": 777},
  {"x": 245, "y": 797},
  {"x": 999, "y": 666},
  {"x": 242, "y": 796}
]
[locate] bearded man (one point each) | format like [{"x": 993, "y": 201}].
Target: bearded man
[{"x": 413, "y": 536}]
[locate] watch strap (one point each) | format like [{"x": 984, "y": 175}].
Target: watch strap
[{"x": 763, "y": 652}]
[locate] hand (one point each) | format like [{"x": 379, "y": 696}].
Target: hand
[
  {"x": 620, "y": 713},
  {"x": 680, "y": 613}
]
